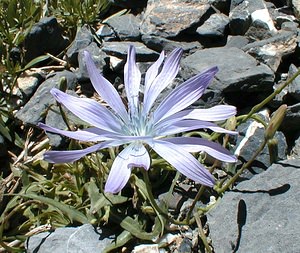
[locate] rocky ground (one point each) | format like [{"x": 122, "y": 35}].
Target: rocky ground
[{"x": 256, "y": 46}]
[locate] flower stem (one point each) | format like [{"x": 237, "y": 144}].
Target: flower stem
[
  {"x": 244, "y": 167},
  {"x": 269, "y": 98}
]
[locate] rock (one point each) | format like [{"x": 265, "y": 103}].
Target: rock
[
  {"x": 243, "y": 13},
  {"x": 106, "y": 33},
  {"x": 36, "y": 108},
  {"x": 214, "y": 27},
  {"x": 27, "y": 83},
  {"x": 296, "y": 7},
  {"x": 3, "y": 148},
  {"x": 238, "y": 72},
  {"x": 270, "y": 51},
  {"x": 146, "y": 248},
  {"x": 169, "y": 18},
  {"x": 99, "y": 58},
  {"x": 55, "y": 119},
  {"x": 126, "y": 27},
  {"x": 44, "y": 37},
  {"x": 83, "y": 239},
  {"x": 237, "y": 41},
  {"x": 292, "y": 119},
  {"x": 159, "y": 44},
  {"x": 295, "y": 153},
  {"x": 83, "y": 39},
  {"x": 289, "y": 26},
  {"x": 132, "y": 4},
  {"x": 120, "y": 49},
  {"x": 294, "y": 87},
  {"x": 261, "y": 214},
  {"x": 251, "y": 136}
]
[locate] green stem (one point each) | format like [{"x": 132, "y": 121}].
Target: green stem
[
  {"x": 270, "y": 97},
  {"x": 201, "y": 233},
  {"x": 245, "y": 166}
]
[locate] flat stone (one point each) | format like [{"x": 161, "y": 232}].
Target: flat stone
[
  {"x": 126, "y": 27},
  {"x": 292, "y": 118},
  {"x": 36, "y": 108},
  {"x": 295, "y": 153},
  {"x": 251, "y": 136},
  {"x": 238, "y": 71},
  {"x": 296, "y": 6},
  {"x": 294, "y": 87},
  {"x": 261, "y": 214},
  {"x": 159, "y": 44},
  {"x": 83, "y": 239},
  {"x": 214, "y": 26},
  {"x": 44, "y": 36},
  {"x": 120, "y": 50},
  {"x": 168, "y": 18},
  {"x": 241, "y": 15},
  {"x": 83, "y": 38},
  {"x": 270, "y": 51}
]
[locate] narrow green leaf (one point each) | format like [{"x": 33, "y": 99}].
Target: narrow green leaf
[
  {"x": 70, "y": 211},
  {"x": 35, "y": 61},
  {"x": 121, "y": 240},
  {"x": 4, "y": 130},
  {"x": 132, "y": 226}
]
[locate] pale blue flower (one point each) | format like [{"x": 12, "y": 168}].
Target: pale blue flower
[{"x": 141, "y": 125}]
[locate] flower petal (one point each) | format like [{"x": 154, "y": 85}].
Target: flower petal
[
  {"x": 195, "y": 144},
  {"x": 134, "y": 155},
  {"x": 152, "y": 72},
  {"x": 215, "y": 113},
  {"x": 184, "y": 95},
  {"x": 132, "y": 80},
  {"x": 173, "y": 127},
  {"x": 73, "y": 155},
  {"x": 167, "y": 74},
  {"x": 104, "y": 88},
  {"x": 89, "y": 134},
  {"x": 183, "y": 161},
  {"x": 88, "y": 110}
]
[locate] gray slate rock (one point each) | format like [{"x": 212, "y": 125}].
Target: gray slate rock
[
  {"x": 83, "y": 38},
  {"x": 251, "y": 136},
  {"x": 129, "y": 4},
  {"x": 106, "y": 33},
  {"x": 294, "y": 87},
  {"x": 271, "y": 51},
  {"x": 98, "y": 56},
  {"x": 260, "y": 215},
  {"x": 295, "y": 153},
  {"x": 291, "y": 121},
  {"x": 169, "y": 18},
  {"x": 296, "y": 6},
  {"x": 36, "y": 108},
  {"x": 44, "y": 36},
  {"x": 120, "y": 49},
  {"x": 159, "y": 44},
  {"x": 83, "y": 239},
  {"x": 215, "y": 26},
  {"x": 241, "y": 15},
  {"x": 238, "y": 71},
  {"x": 126, "y": 27}
]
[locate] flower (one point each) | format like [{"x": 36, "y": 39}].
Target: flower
[{"x": 141, "y": 125}]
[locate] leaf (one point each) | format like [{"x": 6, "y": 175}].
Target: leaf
[
  {"x": 70, "y": 211},
  {"x": 99, "y": 200},
  {"x": 4, "y": 130},
  {"x": 35, "y": 61},
  {"x": 121, "y": 240},
  {"x": 132, "y": 226}
]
